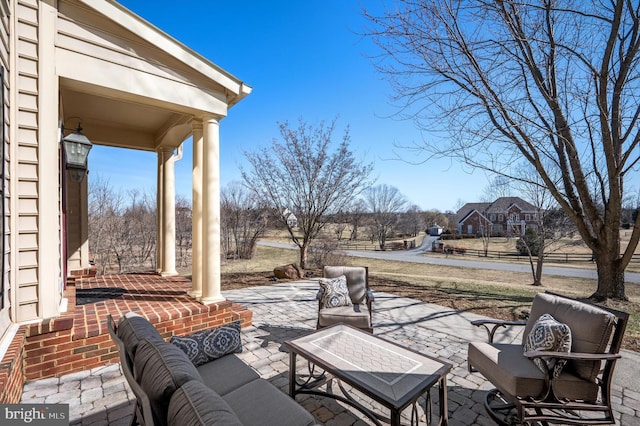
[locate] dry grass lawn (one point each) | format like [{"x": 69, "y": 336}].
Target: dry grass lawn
[{"x": 497, "y": 294}]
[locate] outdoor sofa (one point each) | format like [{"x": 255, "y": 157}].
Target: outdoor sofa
[{"x": 171, "y": 390}]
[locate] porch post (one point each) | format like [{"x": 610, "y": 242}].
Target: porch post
[
  {"x": 159, "y": 218},
  {"x": 211, "y": 211},
  {"x": 168, "y": 228},
  {"x": 196, "y": 219}
]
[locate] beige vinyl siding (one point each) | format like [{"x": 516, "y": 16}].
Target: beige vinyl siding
[
  {"x": 27, "y": 158},
  {"x": 5, "y": 319}
]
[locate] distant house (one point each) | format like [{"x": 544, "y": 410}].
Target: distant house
[
  {"x": 291, "y": 219},
  {"x": 435, "y": 230},
  {"x": 506, "y": 216}
]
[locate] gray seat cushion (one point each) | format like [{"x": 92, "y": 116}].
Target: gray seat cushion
[
  {"x": 356, "y": 315},
  {"x": 195, "y": 404},
  {"x": 590, "y": 328},
  {"x": 226, "y": 374},
  {"x": 512, "y": 373},
  {"x": 132, "y": 328},
  {"x": 260, "y": 403},
  {"x": 162, "y": 368}
]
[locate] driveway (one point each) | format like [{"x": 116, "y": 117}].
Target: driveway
[{"x": 417, "y": 256}]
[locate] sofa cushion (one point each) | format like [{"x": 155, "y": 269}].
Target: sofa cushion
[
  {"x": 226, "y": 374},
  {"x": 514, "y": 374},
  {"x": 335, "y": 292},
  {"x": 356, "y": 280},
  {"x": 195, "y": 404},
  {"x": 547, "y": 334},
  {"x": 590, "y": 328},
  {"x": 356, "y": 315},
  {"x": 207, "y": 345},
  {"x": 132, "y": 328},
  {"x": 161, "y": 368},
  {"x": 260, "y": 403}
]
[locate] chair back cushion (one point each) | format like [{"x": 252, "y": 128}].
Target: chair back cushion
[
  {"x": 161, "y": 368},
  {"x": 195, "y": 404},
  {"x": 132, "y": 328},
  {"x": 356, "y": 280},
  {"x": 590, "y": 328}
]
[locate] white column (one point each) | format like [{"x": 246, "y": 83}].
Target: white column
[
  {"x": 159, "y": 218},
  {"x": 211, "y": 212},
  {"x": 168, "y": 228},
  {"x": 196, "y": 202}
]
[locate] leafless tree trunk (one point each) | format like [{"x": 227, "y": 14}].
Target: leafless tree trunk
[
  {"x": 385, "y": 204},
  {"x": 302, "y": 174},
  {"x": 550, "y": 83},
  {"x": 184, "y": 225},
  {"x": 243, "y": 221}
]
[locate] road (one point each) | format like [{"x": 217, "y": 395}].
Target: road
[{"x": 416, "y": 256}]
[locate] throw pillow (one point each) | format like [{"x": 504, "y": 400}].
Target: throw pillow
[
  {"x": 207, "y": 345},
  {"x": 548, "y": 334},
  {"x": 335, "y": 292}
]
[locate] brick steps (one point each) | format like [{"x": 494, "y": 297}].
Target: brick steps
[{"x": 79, "y": 340}]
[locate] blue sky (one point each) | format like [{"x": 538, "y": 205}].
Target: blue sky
[{"x": 304, "y": 59}]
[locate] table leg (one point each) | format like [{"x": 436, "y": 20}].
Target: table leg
[
  {"x": 444, "y": 408},
  {"x": 292, "y": 374}
]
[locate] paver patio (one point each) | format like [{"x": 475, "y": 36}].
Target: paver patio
[{"x": 287, "y": 310}]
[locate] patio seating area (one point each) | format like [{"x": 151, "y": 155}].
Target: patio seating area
[{"x": 287, "y": 310}]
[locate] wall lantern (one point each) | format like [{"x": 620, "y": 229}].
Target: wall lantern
[{"x": 76, "y": 150}]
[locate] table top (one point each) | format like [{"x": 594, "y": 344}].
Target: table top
[{"x": 391, "y": 374}]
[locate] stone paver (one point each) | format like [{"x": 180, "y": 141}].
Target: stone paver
[{"x": 284, "y": 311}]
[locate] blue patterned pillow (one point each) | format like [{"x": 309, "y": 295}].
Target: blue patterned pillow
[
  {"x": 548, "y": 334},
  {"x": 207, "y": 345},
  {"x": 335, "y": 292}
]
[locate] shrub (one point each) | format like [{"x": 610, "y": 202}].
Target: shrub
[{"x": 531, "y": 239}]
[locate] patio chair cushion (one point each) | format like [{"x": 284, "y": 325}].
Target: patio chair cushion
[
  {"x": 590, "y": 328},
  {"x": 548, "y": 334},
  {"x": 356, "y": 315},
  {"x": 514, "y": 374},
  {"x": 226, "y": 374},
  {"x": 207, "y": 345},
  {"x": 335, "y": 292},
  {"x": 356, "y": 280},
  {"x": 196, "y": 404},
  {"x": 133, "y": 328},
  {"x": 259, "y": 403},
  {"x": 162, "y": 368}
]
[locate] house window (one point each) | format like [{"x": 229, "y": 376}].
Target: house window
[
  {"x": 527, "y": 217},
  {"x": 500, "y": 218},
  {"x": 514, "y": 217},
  {"x": 492, "y": 218}
]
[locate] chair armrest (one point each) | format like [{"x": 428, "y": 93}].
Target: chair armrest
[
  {"x": 491, "y": 325},
  {"x": 319, "y": 294},
  {"x": 370, "y": 295},
  {"x": 576, "y": 356}
]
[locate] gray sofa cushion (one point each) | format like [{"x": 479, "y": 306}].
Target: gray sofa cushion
[
  {"x": 195, "y": 404},
  {"x": 356, "y": 280},
  {"x": 356, "y": 315},
  {"x": 213, "y": 343},
  {"x": 590, "y": 328},
  {"x": 259, "y": 403},
  {"x": 226, "y": 374},
  {"x": 514, "y": 374},
  {"x": 161, "y": 368},
  {"x": 132, "y": 328}
]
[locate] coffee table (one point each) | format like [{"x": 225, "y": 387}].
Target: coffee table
[{"x": 388, "y": 373}]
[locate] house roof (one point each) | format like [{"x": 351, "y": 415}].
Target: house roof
[{"x": 499, "y": 206}]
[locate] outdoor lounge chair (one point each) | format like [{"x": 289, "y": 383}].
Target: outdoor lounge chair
[
  {"x": 354, "y": 308},
  {"x": 577, "y": 392}
]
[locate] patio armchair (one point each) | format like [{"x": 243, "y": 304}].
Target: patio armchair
[
  {"x": 351, "y": 304},
  {"x": 562, "y": 370}
]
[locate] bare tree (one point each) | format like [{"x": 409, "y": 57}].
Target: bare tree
[
  {"x": 302, "y": 174},
  {"x": 412, "y": 221},
  {"x": 184, "y": 225},
  {"x": 357, "y": 210},
  {"x": 243, "y": 221},
  {"x": 553, "y": 83},
  {"x": 385, "y": 204}
]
